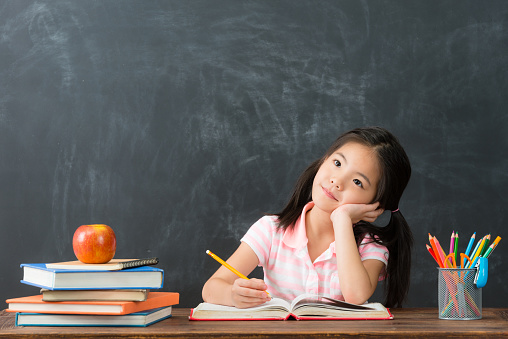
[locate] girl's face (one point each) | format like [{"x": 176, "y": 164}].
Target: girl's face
[{"x": 349, "y": 176}]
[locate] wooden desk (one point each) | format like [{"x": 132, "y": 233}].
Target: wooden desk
[{"x": 408, "y": 322}]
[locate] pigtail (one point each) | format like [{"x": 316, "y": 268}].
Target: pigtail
[
  {"x": 397, "y": 237},
  {"x": 399, "y": 241}
]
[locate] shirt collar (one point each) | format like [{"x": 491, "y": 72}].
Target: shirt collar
[{"x": 297, "y": 237}]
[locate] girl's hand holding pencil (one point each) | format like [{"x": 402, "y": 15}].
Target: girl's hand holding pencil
[{"x": 243, "y": 288}]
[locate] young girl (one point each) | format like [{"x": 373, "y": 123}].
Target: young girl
[{"x": 323, "y": 241}]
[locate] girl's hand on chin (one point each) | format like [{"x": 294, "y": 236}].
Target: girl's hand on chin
[{"x": 357, "y": 212}]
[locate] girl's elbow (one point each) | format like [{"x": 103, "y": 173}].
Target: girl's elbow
[
  {"x": 206, "y": 291},
  {"x": 355, "y": 300},
  {"x": 357, "y": 296}
]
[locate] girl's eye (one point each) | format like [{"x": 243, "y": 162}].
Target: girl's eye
[
  {"x": 337, "y": 163},
  {"x": 358, "y": 183}
]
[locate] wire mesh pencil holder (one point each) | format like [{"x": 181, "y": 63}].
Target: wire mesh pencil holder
[{"x": 458, "y": 296}]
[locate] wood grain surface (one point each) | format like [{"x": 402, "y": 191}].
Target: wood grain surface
[{"x": 408, "y": 323}]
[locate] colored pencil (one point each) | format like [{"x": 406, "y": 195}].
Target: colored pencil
[
  {"x": 441, "y": 252},
  {"x": 485, "y": 246},
  {"x": 432, "y": 253},
  {"x": 492, "y": 247},
  {"x": 469, "y": 245},
  {"x": 479, "y": 250},
  {"x": 436, "y": 252},
  {"x": 474, "y": 251},
  {"x": 452, "y": 242},
  {"x": 456, "y": 248}
]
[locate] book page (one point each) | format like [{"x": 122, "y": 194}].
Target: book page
[
  {"x": 305, "y": 297},
  {"x": 113, "y": 264},
  {"x": 274, "y": 309},
  {"x": 326, "y": 302},
  {"x": 275, "y": 303}
]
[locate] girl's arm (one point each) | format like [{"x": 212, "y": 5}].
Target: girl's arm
[
  {"x": 226, "y": 288},
  {"x": 358, "y": 279}
]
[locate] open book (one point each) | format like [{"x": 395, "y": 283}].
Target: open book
[{"x": 304, "y": 307}]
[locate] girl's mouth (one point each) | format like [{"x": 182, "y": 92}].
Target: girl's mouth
[{"x": 328, "y": 193}]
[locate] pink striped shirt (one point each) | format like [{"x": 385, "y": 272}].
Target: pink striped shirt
[{"x": 288, "y": 270}]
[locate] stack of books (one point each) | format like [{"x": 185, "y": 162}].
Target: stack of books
[{"x": 119, "y": 293}]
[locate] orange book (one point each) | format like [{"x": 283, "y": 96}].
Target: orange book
[{"x": 34, "y": 304}]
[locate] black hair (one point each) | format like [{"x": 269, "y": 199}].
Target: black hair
[{"x": 395, "y": 174}]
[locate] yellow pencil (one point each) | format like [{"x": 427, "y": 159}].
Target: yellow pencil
[
  {"x": 231, "y": 268},
  {"x": 479, "y": 250}
]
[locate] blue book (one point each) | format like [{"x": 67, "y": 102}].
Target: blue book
[
  {"x": 144, "y": 277},
  {"x": 139, "y": 319}
]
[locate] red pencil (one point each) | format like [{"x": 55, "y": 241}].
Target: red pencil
[
  {"x": 436, "y": 251},
  {"x": 432, "y": 253}
]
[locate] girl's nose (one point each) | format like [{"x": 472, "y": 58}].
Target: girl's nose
[{"x": 335, "y": 181}]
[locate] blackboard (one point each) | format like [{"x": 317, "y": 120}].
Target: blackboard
[{"x": 180, "y": 123}]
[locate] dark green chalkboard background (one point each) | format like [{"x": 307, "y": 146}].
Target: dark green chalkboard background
[{"x": 179, "y": 123}]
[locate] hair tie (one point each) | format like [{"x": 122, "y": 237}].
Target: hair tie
[{"x": 395, "y": 210}]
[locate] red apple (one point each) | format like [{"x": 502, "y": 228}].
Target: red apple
[{"x": 94, "y": 244}]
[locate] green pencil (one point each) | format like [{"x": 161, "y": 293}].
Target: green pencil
[
  {"x": 484, "y": 249},
  {"x": 492, "y": 247},
  {"x": 456, "y": 247}
]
